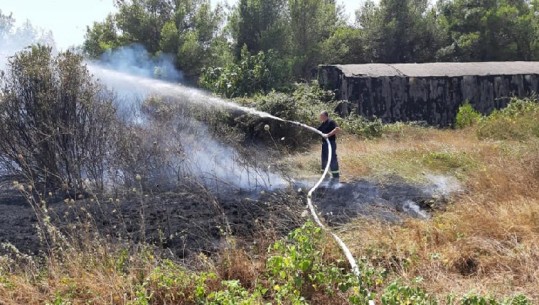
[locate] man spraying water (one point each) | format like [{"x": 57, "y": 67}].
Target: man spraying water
[{"x": 330, "y": 129}]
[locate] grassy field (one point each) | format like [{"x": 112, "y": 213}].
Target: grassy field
[
  {"x": 486, "y": 241},
  {"x": 483, "y": 245}
]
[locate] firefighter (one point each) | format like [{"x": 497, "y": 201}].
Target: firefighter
[{"x": 329, "y": 129}]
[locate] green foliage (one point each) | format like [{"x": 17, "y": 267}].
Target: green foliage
[
  {"x": 297, "y": 270},
  {"x": 359, "y": 125},
  {"x": 399, "y": 31},
  {"x": 304, "y": 105},
  {"x": 312, "y": 22},
  {"x": 290, "y": 38},
  {"x": 448, "y": 161},
  {"x": 58, "y": 300},
  {"x": 101, "y": 37},
  {"x": 518, "y": 121},
  {"x": 260, "y": 25},
  {"x": 252, "y": 74},
  {"x": 466, "y": 116},
  {"x": 472, "y": 299},
  {"x": 189, "y": 29},
  {"x": 345, "y": 45},
  {"x": 397, "y": 294},
  {"x": 233, "y": 294},
  {"x": 488, "y": 30}
]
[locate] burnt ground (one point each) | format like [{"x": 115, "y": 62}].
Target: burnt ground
[
  {"x": 392, "y": 201},
  {"x": 196, "y": 221}
]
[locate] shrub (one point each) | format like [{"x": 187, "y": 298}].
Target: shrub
[
  {"x": 466, "y": 116},
  {"x": 258, "y": 73},
  {"x": 303, "y": 105},
  {"x": 472, "y": 299},
  {"x": 518, "y": 121},
  {"x": 358, "y": 125},
  {"x": 297, "y": 270},
  {"x": 55, "y": 120},
  {"x": 396, "y": 294}
]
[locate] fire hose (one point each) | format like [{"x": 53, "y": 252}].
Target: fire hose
[{"x": 342, "y": 245}]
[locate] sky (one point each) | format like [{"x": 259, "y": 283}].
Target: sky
[{"x": 68, "y": 19}]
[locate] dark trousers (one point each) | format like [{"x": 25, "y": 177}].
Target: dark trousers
[{"x": 334, "y": 165}]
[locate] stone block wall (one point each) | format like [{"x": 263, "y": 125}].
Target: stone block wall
[{"x": 434, "y": 100}]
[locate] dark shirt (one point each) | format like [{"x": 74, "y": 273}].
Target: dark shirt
[{"x": 328, "y": 126}]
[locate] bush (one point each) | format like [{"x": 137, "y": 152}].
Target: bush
[
  {"x": 358, "y": 125},
  {"x": 396, "y": 294},
  {"x": 518, "y": 121},
  {"x": 466, "y": 116},
  {"x": 303, "y": 105},
  {"x": 258, "y": 73},
  {"x": 55, "y": 120},
  {"x": 297, "y": 271}
]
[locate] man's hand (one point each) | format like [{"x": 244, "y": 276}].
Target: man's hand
[{"x": 325, "y": 136}]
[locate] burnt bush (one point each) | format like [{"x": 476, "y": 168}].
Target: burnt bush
[{"x": 55, "y": 120}]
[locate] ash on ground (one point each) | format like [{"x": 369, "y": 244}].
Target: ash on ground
[
  {"x": 392, "y": 199},
  {"x": 191, "y": 220}
]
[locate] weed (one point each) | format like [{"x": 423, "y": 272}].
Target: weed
[
  {"x": 466, "y": 116},
  {"x": 297, "y": 271},
  {"x": 518, "y": 121},
  {"x": 397, "y": 294},
  {"x": 358, "y": 125}
]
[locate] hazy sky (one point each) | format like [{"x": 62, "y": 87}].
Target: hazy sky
[{"x": 67, "y": 19}]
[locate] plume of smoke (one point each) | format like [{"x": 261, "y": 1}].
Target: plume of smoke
[
  {"x": 14, "y": 39},
  {"x": 441, "y": 185},
  {"x": 210, "y": 160},
  {"x": 135, "y": 60},
  {"x": 130, "y": 72},
  {"x": 412, "y": 208}
]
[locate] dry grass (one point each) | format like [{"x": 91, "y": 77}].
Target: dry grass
[{"x": 486, "y": 242}]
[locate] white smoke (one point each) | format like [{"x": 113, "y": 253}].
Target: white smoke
[
  {"x": 412, "y": 208},
  {"x": 129, "y": 73},
  {"x": 135, "y": 60},
  {"x": 442, "y": 186},
  {"x": 15, "y": 38}
]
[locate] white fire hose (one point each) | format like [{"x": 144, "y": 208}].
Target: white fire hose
[{"x": 342, "y": 245}]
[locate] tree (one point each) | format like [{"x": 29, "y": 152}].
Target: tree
[
  {"x": 260, "y": 25},
  {"x": 344, "y": 46},
  {"x": 101, "y": 37},
  {"x": 54, "y": 119},
  {"x": 190, "y": 30},
  {"x": 399, "y": 31},
  {"x": 311, "y": 23},
  {"x": 141, "y": 21},
  {"x": 14, "y": 38},
  {"x": 488, "y": 30},
  {"x": 259, "y": 73},
  {"x": 6, "y": 26},
  {"x": 194, "y": 36}
]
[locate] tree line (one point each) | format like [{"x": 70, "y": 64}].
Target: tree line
[{"x": 261, "y": 45}]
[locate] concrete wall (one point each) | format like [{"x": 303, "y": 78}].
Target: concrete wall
[{"x": 434, "y": 100}]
